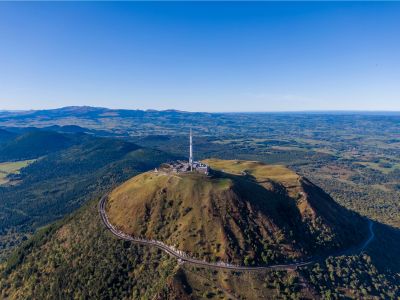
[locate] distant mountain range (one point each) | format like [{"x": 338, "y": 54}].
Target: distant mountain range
[
  {"x": 85, "y": 112},
  {"x": 115, "y": 121},
  {"x": 124, "y": 122}
]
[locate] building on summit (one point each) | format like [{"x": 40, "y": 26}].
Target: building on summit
[{"x": 188, "y": 166}]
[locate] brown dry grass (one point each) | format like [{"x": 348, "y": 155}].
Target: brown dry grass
[{"x": 257, "y": 169}]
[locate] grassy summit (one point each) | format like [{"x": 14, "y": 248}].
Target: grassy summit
[
  {"x": 256, "y": 169},
  {"x": 245, "y": 212}
]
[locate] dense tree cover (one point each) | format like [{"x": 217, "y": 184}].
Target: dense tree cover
[
  {"x": 77, "y": 258},
  {"x": 60, "y": 182},
  {"x": 34, "y": 144},
  {"x": 351, "y": 276},
  {"x": 6, "y": 135},
  {"x": 378, "y": 204}
]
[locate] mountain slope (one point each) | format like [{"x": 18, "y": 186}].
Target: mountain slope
[
  {"x": 5, "y": 135},
  {"x": 33, "y": 145},
  {"x": 249, "y": 214},
  {"x": 77, "y": 258}
]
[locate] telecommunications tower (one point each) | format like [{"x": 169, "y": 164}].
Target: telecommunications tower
[{"x": 191, "y": 151}]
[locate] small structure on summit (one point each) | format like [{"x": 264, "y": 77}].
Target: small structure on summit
[{"x": 180, "y": 166}]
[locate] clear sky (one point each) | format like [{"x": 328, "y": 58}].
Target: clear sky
[{"x": 227, "y": 56}]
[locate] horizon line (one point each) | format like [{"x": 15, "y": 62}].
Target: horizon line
[{"x": 210, "y": 112}]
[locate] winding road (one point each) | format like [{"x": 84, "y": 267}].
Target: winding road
[{"x": 183, "y": 257}]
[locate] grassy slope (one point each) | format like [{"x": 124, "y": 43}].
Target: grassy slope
[
  {"x": 260, "y": 171},
  {"x": 187, "y": 191},
  {"x": 269, "y": 215}
]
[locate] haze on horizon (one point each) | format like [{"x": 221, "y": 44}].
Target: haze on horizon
[{"x": 259, "y": 56}]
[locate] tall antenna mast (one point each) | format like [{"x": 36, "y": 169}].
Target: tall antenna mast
[{"x": 191, "y": 151}]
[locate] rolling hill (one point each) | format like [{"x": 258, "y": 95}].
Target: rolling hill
[
  {"x": 63, "y": 179},
  {"x": 249, "y": 213},
  {"x": 5, "y": 135},
  {"x": 33, "y": 144}
]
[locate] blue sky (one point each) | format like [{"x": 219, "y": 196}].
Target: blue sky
[{"x": 227, "y": 56}]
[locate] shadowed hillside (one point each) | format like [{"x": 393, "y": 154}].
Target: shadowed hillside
[
  {"x": 34, "y": 144},
  {"x": 5, "y": 135}
]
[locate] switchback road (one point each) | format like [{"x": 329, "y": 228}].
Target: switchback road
[{"x": 183, "y": 257}]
